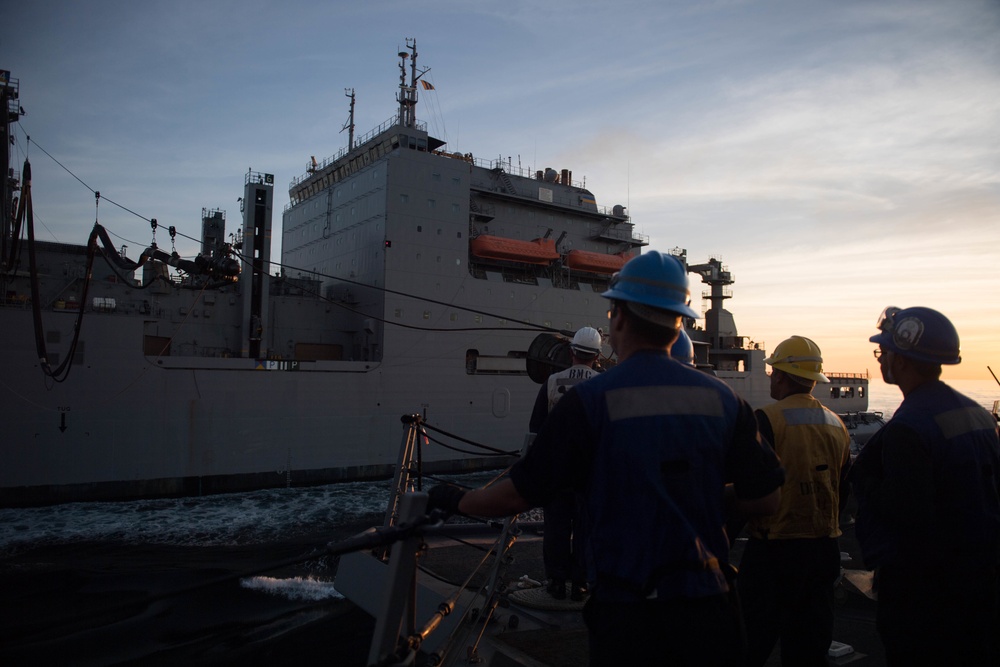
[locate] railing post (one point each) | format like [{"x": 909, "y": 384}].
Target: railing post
[{"x": 400, "y": 591}]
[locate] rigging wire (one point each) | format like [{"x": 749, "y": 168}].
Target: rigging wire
[{"x": 531, "y": 326}]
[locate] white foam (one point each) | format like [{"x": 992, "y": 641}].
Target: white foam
[{"x": 295, "y": 588}]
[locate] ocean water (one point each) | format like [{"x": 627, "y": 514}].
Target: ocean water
[
  {"x": 885, "y": 398},
  {"x": 183, "y": 580},
  {"x": 217, "y": 580}
]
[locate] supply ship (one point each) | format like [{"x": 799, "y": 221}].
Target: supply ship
[{"x": 411, "y": 280}]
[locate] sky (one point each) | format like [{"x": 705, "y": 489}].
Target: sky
[{"x": 838, "y": 156}]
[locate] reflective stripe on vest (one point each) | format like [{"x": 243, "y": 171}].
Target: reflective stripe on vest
[
  {"x": 961, "y": 421},
  {"x": 810, "y": 417},
  {"x": 632, "y": 402}
]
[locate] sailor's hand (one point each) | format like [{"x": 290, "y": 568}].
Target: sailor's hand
[{"x": 444, "y": 497}]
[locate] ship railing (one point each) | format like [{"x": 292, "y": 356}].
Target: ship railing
[
  {"x": 847, "y": 376},
  {"x": 740, "y": 343},
  {"x": 611, "y": 231},
  {"x": 507, "y": 165},
  {"x": 725, "y": 293},
  {"x": 386, "y": 585},
  {"x": 359, "y": 142}
]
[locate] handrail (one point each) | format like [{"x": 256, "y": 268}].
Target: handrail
[{"x": 396, "y": 626}]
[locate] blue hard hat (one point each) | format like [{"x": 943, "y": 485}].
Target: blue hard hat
[
  {"x": 918, "y": 333},
  {"x": 683, "y": 349},
  {"x": 653, "y": 279}
]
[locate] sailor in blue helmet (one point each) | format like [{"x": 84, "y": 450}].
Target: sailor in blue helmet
[
  {"x": 651, "y": 444},
  {"x": 683, "y": 349},
  {"x": 928, "y": 516}
]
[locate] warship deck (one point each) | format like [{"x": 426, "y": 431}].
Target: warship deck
[{"x": 561, "y": 641}]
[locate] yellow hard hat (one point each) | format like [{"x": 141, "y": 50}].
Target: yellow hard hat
[{"x": 798, "y": 356}]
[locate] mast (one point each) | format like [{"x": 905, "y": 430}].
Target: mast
[
  {"x": 718, "y": 278},
  {"x": 407, "y": 97},
  {"x": 349, "y": 125}
]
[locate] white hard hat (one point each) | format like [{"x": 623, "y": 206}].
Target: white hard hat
[{"x": 586, "y": 342}]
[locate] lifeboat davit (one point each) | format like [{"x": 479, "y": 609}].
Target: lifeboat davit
[
  {"x": 538, "y": 251},
  {"x": 596, "y": 262}
]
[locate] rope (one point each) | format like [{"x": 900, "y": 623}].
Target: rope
[{"x": 499, "y": 452}]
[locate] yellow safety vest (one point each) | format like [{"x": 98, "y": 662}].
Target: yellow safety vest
[{"x": 813, "y": 446}]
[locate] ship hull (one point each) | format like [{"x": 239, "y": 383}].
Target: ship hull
[{"x": 124, "y": 425}]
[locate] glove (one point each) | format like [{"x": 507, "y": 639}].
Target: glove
[{"x": 444, "y": 497}]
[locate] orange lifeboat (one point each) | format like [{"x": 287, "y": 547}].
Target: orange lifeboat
[
  {"x": 596, "y": 262},
  {"x": 538, "y": 251}
]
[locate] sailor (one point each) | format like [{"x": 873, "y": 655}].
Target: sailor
[
  {"x": 928, "y": 517},
  {"x": 651, "y": 445},
  {"x": 683, "y": 349},
  {"x": 562, "y": 545},
  {"x": 792, "y": 560}
]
